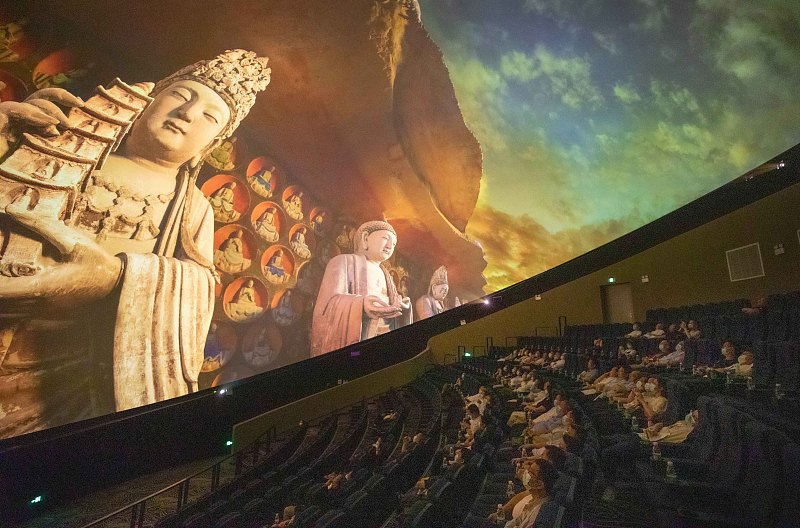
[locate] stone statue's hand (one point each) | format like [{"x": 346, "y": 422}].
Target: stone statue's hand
[
  {"x": 48, "y": 99},
  {"x": 375, "y": 308},
  {"x": 88, "y": 273},
  {"x": 38, "y": 112}
]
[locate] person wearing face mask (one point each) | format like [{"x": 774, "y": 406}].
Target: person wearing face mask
[
  {"x": 535, "y": 507},
  {"x": 690, "y": 329},
  {"x": 635, "y": 333},
  {"x": 656, "y": 333},
  {"x": 663, "y": 350},
  {"x": 617, "y": 383},
  {"x": 728, "y": 356},
  {"x": 671, "y": 434},
  {"x": 590, "y": 373},
  {"x": 621, "y": 391},
  {"x": 743, "y": 366},
  {"x": 673, "y": 359},
  {"x": 654, "y": 405}
]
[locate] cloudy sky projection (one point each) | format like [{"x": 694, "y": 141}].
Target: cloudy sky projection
[{"x": 598, "y": 116}]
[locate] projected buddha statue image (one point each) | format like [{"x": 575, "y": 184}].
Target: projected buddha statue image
[
  {"x": 222, "y": 157},
  {"x": 275, "y": 270},
  {"x": 357, "y": 298},
  {"x": 298, "y": 243},
  {"x": 244, "y": 306},
  {"x": 230, "y": 255},
  {"x": 139, "y": 308},
  {"x": 293, "y": 205},
  {"x": 222, "y": 202},
  {"x": 261, "y": 181},
  {"x": 266, "y": 226},
  {"x": 433, "y": 302}
]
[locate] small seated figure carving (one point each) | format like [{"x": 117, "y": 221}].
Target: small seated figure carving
[
  {"x": 265, "y": 225},
  {"x": 222, "y": 203},
  {"x": 261, "y": 182},
  {"x": 244, "y": 307},
  {"x": 274, "y": 270},
  {"x": 222, "y": 156},
  {"x": 294, "y": 206},
  {"x": 230, "y": 255},
  {"x": 284, "y": 313},
  {"x": 298, "y": 244}
]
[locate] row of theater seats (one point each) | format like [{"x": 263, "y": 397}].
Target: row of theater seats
[
  {"x": 736, "y": 471},
  {"x": 774, "y": 362},
  {"x": 778, "y": 321},
  {"x": 293, "y": 472},
  {"x": 494, "y": 490},
  {"x": 451, "y": 486},
  {"x": 739, "y": 468}
]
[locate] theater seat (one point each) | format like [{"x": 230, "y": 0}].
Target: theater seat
[{"x": 700, "y": 482}]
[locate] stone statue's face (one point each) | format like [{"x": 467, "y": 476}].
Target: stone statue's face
[
  {"x": 440, "y": 291},
  {"x": 180, "y": 123},
  {"x": 379, "y": 245}
]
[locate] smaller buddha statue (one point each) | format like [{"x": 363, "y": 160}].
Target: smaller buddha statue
[
  {"x": 298, "y": 243},
  {"x": 284, "y": 314},
  {"x": 294, "y": 206},
  {"x": 261, "y": 181},
  {"x": 308, "y": 279},
  {"x": 215, "y": 354},
  {"x": 402, "y": 286},
  {"x": 265, "y": 225},
  {"x": 243, "y": 307},
  {"x": 433, "y": 303},
  {"x": 274, "y": 270},
  {"x": 318, "y": 223},
  {"x": 230, "y": 255},
  {"x": 261, "y": 354},
  {"x": 222, "y": 156},
  {"x": 222, "y": 203},
  {"x": 345, "y": 238}
]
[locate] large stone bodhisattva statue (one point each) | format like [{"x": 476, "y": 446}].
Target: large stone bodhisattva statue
[
  {"x": 433, "y": 303},
  {"x": 357, "y": 298},
  {"x": 113, "y": 316}
]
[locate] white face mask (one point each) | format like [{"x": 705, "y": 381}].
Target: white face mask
[
  {"x": 526, "y": 478},
  {"x": 649, "y": 387},
  {"x": 742, "y": 359},
  {"x": 640, "y": 385}
]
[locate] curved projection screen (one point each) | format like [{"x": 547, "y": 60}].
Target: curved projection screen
[{"x": 395, "y": 160}]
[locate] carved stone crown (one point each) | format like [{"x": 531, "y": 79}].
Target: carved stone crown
[
  {"x": 439, "y": 277},
  {"x": 236, "y": 75}
]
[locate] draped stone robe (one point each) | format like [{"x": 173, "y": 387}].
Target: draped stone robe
[
  {"x": 339, "y": 318},
  {"x": 141, "y": 345}
]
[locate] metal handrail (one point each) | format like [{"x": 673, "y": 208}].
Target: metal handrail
[{"x": 138, "y": 508}]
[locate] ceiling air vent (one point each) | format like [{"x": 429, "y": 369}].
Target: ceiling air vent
[{"x": 745, "y": 262}]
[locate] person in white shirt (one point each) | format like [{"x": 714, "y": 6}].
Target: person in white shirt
[
  {"x": 655, "y": 404},
  {"x": 475, "y": 420},
  {"x": 559, "y": 361},
  {"x": 635, "y": 332},
  {"x": 690, "y": 330},
  {"x": 743, "y": 366},
  {"x": 480, "y": 396},
  {"x": 657, "y": 333},
  {"x": 590, "y": 373},
  {"x": 673, "y": 359},
  {"x": 539, "y": 478}
]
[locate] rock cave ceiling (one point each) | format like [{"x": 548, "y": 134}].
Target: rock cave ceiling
[{"x": 360, "y": 109}]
